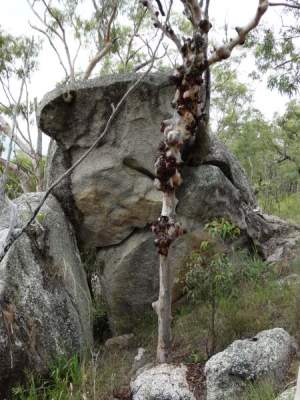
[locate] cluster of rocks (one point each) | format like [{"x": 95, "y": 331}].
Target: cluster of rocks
[
  {"x": 110, "y": 197},
  {"x": 267, "y": 356},
  {"x": 105, "y": 206}
]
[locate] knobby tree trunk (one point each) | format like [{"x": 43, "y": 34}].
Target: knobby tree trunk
[{"x": 181, "y": 134}]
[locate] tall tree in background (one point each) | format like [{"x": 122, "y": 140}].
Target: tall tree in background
[
  {"x": 18, "y": 60},
  {"x": 187, "y": 127},
  {"x": 104, "y": 35},
  {"x": 277, "y": 51}
]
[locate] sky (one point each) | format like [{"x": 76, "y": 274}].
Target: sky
[{"x": 15, "y": 15}]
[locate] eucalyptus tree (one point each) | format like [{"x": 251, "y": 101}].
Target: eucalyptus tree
[
  {"x": 187, "y": 127},
  {"x": 93, "y": 37},
  {"x": 277, "y": 49},
  {"x": 18, "y": 60}
]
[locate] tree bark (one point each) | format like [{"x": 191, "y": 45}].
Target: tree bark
[
  {"x": 164, "y": 309},
  {"x": 185, "y": 135}
]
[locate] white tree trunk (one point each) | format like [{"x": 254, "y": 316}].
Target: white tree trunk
[{"x": 164, "y": 311}]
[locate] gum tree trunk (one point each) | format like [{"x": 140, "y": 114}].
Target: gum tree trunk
[{"x": 184, "y": 136}]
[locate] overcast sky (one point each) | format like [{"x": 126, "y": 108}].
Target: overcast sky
[{"x": 15, "y": 15}]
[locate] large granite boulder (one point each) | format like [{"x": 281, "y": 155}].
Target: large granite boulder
[
  {"x": 110, "y": 197},
  {"x": 163, "y": 382},
  {"x": 111, "y": 194},
  {"x": 268, "y": 355},
  {"x": 44, "y": 297}
]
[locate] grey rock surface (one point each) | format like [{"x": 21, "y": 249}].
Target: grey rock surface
[
  {"x": 139, "y": 361},
  {"x": 120, "y": 342},
  {"x": 288, "y": 394},
  {"x": 129, "y": 278},
  {"x": 163, "y": 382},
  {"x": 45, "y": 301},
  {"x": 267, "y": 355},
  {"x": 207, "y": 193},
  {"x": 110, "y": 198}
]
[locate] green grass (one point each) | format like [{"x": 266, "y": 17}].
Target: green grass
[
  {"x": 261, "y": 391},
  {"x": 286, "y": 208}
]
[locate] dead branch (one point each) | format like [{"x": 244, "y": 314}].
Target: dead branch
[
  {"x": 160, "y": 7},
  {"x": 44, "y": 33},
  {"x": 166, "y": 28},
  {"x": 224, "y": 52}
]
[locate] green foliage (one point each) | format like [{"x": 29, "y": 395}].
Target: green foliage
[
  {"x": 40, "y": 217},
  {"x": 286, "y": 207},
  {"x": 277, "y": 53},
  {"x": 222, "y": 228},
  {"x": 18, "y": 56},
  {"x": 97, "y": 378},
  {"x": 210, "y": 275},
  {"x": 195, "y": 357},
  {"x": 269, "y": 151},
  {"x": 64, "y": 379},
  {"x": 260, "y": 391},
  {"x": 217, "y": 276}
]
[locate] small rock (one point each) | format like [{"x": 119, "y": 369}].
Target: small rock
[
  {"x": 140, "y": 360},
  {"x": 163, "y": 382},
  {"x": 290, "y": 280},
  {"x": 120, "y": 342},
  {"x": 268, "y": 354},
  {"x": 288, "y": 394}
]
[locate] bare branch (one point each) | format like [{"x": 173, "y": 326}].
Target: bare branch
[
  {"x": 166, "y": 28},
  {"x": 195, "y": 11},
  {"x": 160, "y": 7},
  {"x": 8, "y": 131},
  {"x": 296, "y": 6},
  {"x": 5, "y": 203},
  {"x": 63, "y": 39},
  {"x": 53, "y": 47},
  {"x": 224, "y": 52},
  {"x": 107, "y": 42},
  {"x": 43, "y": 21},
  {"x": 98, "y": 57}
]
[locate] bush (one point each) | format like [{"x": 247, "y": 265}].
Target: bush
[{"x": 226, "y": 282}]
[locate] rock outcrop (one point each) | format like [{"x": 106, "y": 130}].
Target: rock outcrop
[
  {"x": 288, "y": 394},
  {"x": 45, "y": 301},
  {"x": 110, "y": 198},
  {"x": 268, "y": 355},
  {"x": 163, "y": 382}
]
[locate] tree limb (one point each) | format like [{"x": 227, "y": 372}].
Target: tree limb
[
  {"x": 296, "y": 6},
  {"x": 98, "y": 57},
  {"x": 166, "y": 28},
  {"x": 224, "y": 52}
]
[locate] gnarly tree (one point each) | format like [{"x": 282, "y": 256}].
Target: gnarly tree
[{"x": 188, "y": 128}]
